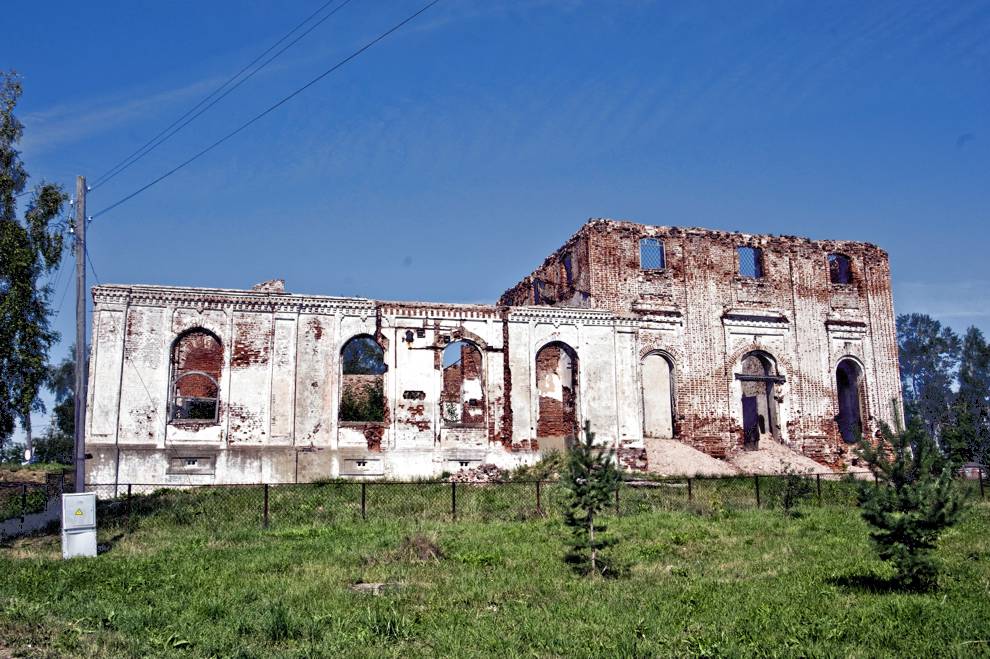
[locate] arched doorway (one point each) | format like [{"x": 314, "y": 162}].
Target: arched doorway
[
  {"x": 556, "y": 386},
  {"x": 849, "y": 389},
  {"x": 758, "y": 376},
  {"x": 658, "y": 400}
]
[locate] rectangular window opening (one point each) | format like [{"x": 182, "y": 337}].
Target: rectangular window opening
[
  {"x": 750, "y": 262},
  {"x": 651, "y": 254}
]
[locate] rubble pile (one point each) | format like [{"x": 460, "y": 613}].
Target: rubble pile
[{"x": 485, "y": 473}]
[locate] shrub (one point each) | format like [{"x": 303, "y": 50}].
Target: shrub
[
  {"x": 592, "y": 479},
  {"x": 797, "y": 489},
  {"x": 913, "y": 500}
]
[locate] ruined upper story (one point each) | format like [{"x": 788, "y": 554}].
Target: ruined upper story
[{"x": 636, "y": 270}]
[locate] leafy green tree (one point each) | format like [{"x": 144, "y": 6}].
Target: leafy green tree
[
  {"x": 914, "y": 499},
  {"x": 929, "y": 354},
  {"x": 56, "y": 445},
  {"x": 969, "y": 438},
  {"x": 592, "y": 480},
  {"x": 30, "y": 248}
]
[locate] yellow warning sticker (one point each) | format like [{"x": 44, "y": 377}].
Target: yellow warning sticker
[{"x": 78, "y": 512}]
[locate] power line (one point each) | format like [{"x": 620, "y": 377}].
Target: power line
[
  {"x": 298, "y": 91},
  {"x": 90, "y": 261},
  {"x": 168, "y": 131}
]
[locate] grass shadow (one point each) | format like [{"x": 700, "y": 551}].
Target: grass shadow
[{"x": 875, "y": 584}]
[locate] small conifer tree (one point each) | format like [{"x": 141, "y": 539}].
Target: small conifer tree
[
  {"x": 912, "y": 501},
  {"x": 592, "y": 480}
]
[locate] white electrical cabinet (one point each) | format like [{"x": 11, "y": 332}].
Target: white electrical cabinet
[{"x": 79, "y": 524}]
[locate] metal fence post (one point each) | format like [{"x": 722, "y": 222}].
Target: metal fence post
[
  {"x": 539, "y": 498},
  {"x": 618, "y": 509},
  {"x": 818, "y": 484},
  {"x": 980, "y": 471},
  {"x": 364, "y": 500},
  {"x": 690, "y": 490},
  {"x": 756, "y": 483},
  {"x": 264, "y": 521},
  {"x": 24, "y": 500},
  {"x": 453, "y": 499},
  {"x": 129, "y": 510}
]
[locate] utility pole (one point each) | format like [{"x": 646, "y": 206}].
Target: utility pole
[{"x": 80, "y": 392}]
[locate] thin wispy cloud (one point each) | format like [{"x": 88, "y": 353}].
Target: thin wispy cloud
[{"x": 49, "y": 129}]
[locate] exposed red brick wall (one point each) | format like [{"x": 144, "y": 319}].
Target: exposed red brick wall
[
  {"x": 557, "y": 411},
  {"x": 701, "y": 286},
  {"x": 197, "y": 351}
]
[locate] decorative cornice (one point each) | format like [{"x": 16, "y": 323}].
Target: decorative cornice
[
  {"x": 559, "y": 314},
  {"x": 746, "y": 317}
]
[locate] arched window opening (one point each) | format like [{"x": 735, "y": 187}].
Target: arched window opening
[
  {"x": 651, "y": 254},
  {"x": 750, "y": 262},
  {"x": 849, "y": 389},
  {"x": 658, "y": 396},
  {"x": 556, "y": 384},
  {"x": 839, "y": 269},
  {"x": 758, "y": 377},
  {"x": 462, "y": 401},
  {"x": 362, "y": 382},
  {"x": 197, "y": 359}
]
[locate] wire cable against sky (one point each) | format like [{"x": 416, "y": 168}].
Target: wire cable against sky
[
  {"x": 272, "y": 108},
  {"x": 179, "y": 124},
  {"x": 92, "y": 268}
]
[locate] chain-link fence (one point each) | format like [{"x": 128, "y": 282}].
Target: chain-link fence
[
  {"x": 231, "y": 507},
  {"x": 21, "y": 498}
]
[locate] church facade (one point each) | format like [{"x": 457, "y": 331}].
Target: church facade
[{"x": 723, "y": 341}]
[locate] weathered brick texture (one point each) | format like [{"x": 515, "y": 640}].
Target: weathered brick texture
[{"x": 564, "y": 345}]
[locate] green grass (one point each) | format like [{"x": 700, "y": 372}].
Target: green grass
[{"x": 192, "y": 574}]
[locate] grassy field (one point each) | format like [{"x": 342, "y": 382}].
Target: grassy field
[{"x": 187, "y": 576}]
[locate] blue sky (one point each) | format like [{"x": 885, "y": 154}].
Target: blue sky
[{"x": 450, "y": 159}]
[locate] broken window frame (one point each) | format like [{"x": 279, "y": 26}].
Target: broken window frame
[
  {"x": 575, "y": 402},
  {"x": 567, "y": 262},
  {"x": 851, "y": 367},
  {"x": 379, "y": 389},
  {"x": 661, "y": 255},
  {"x": 176, "y": 376},
  {"x": 770, "y": 378},
  {"x": 449, "y": 423},
  {"x": 835, "y": 269},
  {"x": 754, "y": 257}
]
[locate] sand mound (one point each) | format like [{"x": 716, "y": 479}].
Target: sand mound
[
  {"x": 774, "y": 458},
  {"x": 670, "y": 457}
]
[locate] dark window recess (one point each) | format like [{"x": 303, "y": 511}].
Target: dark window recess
[
  {"x": 191, "y": 462},
  {"x": 463, "y": 463},
  {"x": 568, "y": 269},
  {"x": 651, "y": 254},
  {"x": 750, "y": 262},
  {"x": 197, "y": 359},
  {"x": 537, "y": 291},
  {"x": 362, "y": 463},
  {"x": 413, "y": 395},
  {"x": 409, "y": 336},
  {"x": 420, "y": 333},
  {"x": 839, "y": 269}
]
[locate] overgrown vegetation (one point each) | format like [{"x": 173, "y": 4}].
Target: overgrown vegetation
[
  {"x": 592, "y": 479},
  {"x": 177, "y": 581},
  {"x": 364, "y": 402},
  {"x": 796, "y": 490},
  {"x": 914, "y": 500}
]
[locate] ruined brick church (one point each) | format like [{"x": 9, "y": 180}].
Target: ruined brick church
[{"x": 721, "y": 342}]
